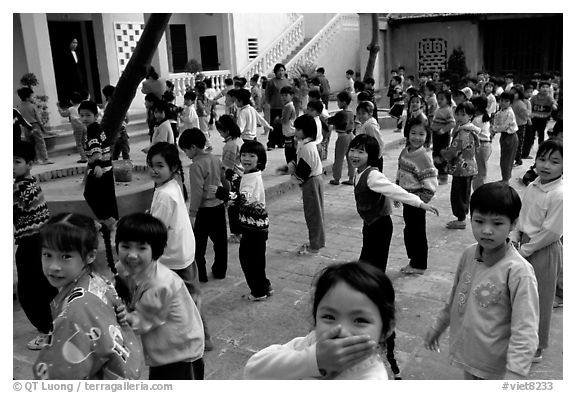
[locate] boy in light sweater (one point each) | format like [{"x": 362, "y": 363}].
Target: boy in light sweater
[
  {"x": 288, "y": 117},
  {"x": 369, "y": 126}
]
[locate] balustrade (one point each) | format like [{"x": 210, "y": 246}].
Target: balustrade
[{"x": 183, "y": 80}]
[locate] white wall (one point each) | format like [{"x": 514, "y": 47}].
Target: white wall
[
  {"x": 313, "y": 23},
  {"x": 265, "y": 27}
]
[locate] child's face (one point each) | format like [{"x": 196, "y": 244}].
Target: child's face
[
  {"x": 415, "y": 104},
  {"x": 223, "y": 133},
  {"x": 299, "y": 134},
  {"x": 159, "y": 115},
  {"x": 358, "y": 158},
  {"x": 362, "y": 115},
  {"x": 549, "y": 166},
  {"x": 504, "y": 104},
  {"x": 87, "y": 117},
  {"x": 442, "y": 100},
  {"x": 63, "y": 267},
  {"x": 544, "y": 89},
  {"x": 286, "y": 98},
  {"x": 488, "y": 89},
  {"x": 21, "y": 168},
  {"x": 352, "y": 310},
  {"x": 427, "y": 92},
  {"x": 249, "y": 162},
  {"x": 188, "y": 102},
  {"x": 417, "y": 137},
  {"x": 458, "y": 98},
  {"x": 135, "y": 256},
  {"x": 159, "y": 170},
  {"x": 348, "y": 76},
  {"x": 368, "y": 85},
  {"x": 312, "y": 112},
  {"x": 490, "y": 230},
  {"x": 528, "y": 93},
  {"x": 393, "y": 82},
  {"x": 192, "y": 152},
  {"x": 462, "y": 118},
  {"x": 341, "y": 104},
  {"x": 148, "y": 104}
]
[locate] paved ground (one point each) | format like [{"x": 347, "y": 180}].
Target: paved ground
[{"x": 240, "y": 328}]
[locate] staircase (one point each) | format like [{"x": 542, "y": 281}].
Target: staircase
[{"x": 296, "y": 50}]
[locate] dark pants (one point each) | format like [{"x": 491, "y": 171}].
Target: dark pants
[
  {"x": 325, "y": 98},
  {"x": 211, "y": 223},
  {"x": 460, "y": 196},
  {"x": 275, "y": 136},
  {"x": 178, "y": 371},
  {"x": 521, "y": 131},
  {"x": 121, "y": 145},
  {"x": 34, "y": 291},
  {"x": 539, "y": 126},
  {"x": 313, "y": 201},
  {"x": 376, "y": 239},
  {"x": 233, "y": 219},
  {"x": 252, "y": 254},
  {"x": 100, "y": 194},
  {"x": 528, "y": 141},
  {"x": 439, "y": 142},
  {"x": 508, "y": 147},
  {"x": 289, "y": 149},
  {"x": 415, "y": 239}
]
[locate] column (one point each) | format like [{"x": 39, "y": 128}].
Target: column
[{"x": 160, "y": 59}]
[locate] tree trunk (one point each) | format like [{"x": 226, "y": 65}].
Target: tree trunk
[
  {"x": 135, "y": 71},
  {"x": 373, "y": 48}
]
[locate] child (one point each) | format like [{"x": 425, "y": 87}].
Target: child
[
  {"x": 188, "y": 116},
  {"x": 232, "y": 169},
  {"x": 529, "y": 131},
  {"x": 256, "y": 92},
  {"x": 397, "y": 101},
  {"x": 229, "y": 107},
  {"x": 373, "y": 192},
  {"x": 431, "y": 101},
  {"x": 36, "y": 135},
  {"x": 163, "y": 130},
  {"x": 354, "y": 313},
  {"x": 297, "y": 96},
  {"x": 417, "y": 175},
  {"x": 173, "y": 112},
  {"x": 99, "y": 190},
  {"x": 288, "y": 117},
  {"x": 538, "y": 234},
  {"x": 161, "y": 309},
  {"x": 349, "y": 82},
  {"x": 207, "y": 213},
  {"x": 522, "y": 114},
  {"x": 253, "y": 217},
  {"x": 324, "y": 86},
  {"x": 369, "y": 126},
  {"x": 30, "y": 213},
  {"x": 482, "y": 121},
  {"x": 441, "y": 125},
  {"x": 542, "y": 106},
  {"x": 150, "y": 102},
  {"x": 316, "y": 110},
  {"x": 492, "y": 310},
  {"x": 461, "y": 159},
  {"x": 87, "y": 341},
  {"x": 78, "y": 128},
  {"x": 246, "y": 116},
  {"x": 416, "y": 115},
  {"x": 369, "y": 88},
  {"x": 343, "y": 122},
  {"x": 505, "y": 124},
  {"x": 121, "y": 145},
  {"x": 488, "y": 92},
  {"x": 307, "y": 172},
  {"x": 303, "y": 92},
  {"x": 203, "y": 110}
]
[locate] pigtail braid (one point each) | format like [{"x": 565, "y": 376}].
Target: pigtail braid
[{"x": 184, "y": 191}]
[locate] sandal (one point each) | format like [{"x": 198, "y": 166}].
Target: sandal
[
  {"x": 253, "y": 298},
  {"x": 306, "y": 250},
  {"x": 456, "y": 224},
  {"x": 348, "y": 182},
  {"x": 411, "y": 270}
]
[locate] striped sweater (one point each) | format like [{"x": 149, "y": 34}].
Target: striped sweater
[
  {"x": 30, "y": 210},
  {"x": 417, "y": 174}
]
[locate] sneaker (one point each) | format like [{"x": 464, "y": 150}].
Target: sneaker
[
  {"x": 537, "y": 356},
  {"x": 397, "y": 377},
  {"x": 307, "y": 250},
  {"x": 253, "y": 298},
  {"x": 517, "y": 164},
  {"x": 39, "y": 342},
  {"x": 348, "y": 182},
  {"x": 411, "y": 270},
  {"x": 334, "y": 182},
  {"x": 234, "y": 238},
  {"x": 456, "y": 224}
]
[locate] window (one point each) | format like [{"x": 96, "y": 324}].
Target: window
[{"x": 252, "y": 48}]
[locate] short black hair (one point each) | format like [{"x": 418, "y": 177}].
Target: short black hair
[
  {"x": 243, "y": 96},
  {"x": 466, "y": 107},
  {"x": 24, "y": 93},
  {"x": 349, "y": 72},
  {"x": 24, "y": 150},
  {"x": 75, "y": 98},
  {"x": 345, "y": 97},
  {"x": 550, "y": 146},
  {"x": 84, "y": 94},
  {"x": 161, "y": 106},
  {"x": 190, "y": 95},
  {"x": 89, "y": 106},
  {"x": 318, "y": 106},
  {"x": 363, "y": 96},
  {"x": 507, "y": 96},
  {"x": 307, "y": 124},
  {"x": 192, "y": 136},
  {"x": 369, "y": 80},
  {"x": 142, "y": 228},
  {"x": 255, "y": 147},
  {"x": 228, "y": 81},
  {"x": 496, "y": 198},
  {"x": 370, "y": 145},
  {"x": 151, "y": 97},
  {"x": 287, "y": 90},
  {"x": 314, "y": 94},
  {"x": 315, "y": 81},
  {"x": 227, "y": 123},
  {"x": 278, "y": 66},
  {"x": 397, "y": 78},
  {"x": 168, "y": 96},
  {"x": 320, "y": 70},
  {"x": 108, "y": 90},
  {"x": 359, "y": 85},
  {"x": 366, "y": 106},
  {"x": 430, "y": 86}
]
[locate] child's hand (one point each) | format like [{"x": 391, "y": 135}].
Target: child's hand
[
  {"x": 397, "y": 204},
  {"x": 121, "y": 315},
  {"x": 98, "y": 172},
  {"x": 212, "y": 191},
  {"x": 283, "y": 170},
  {"x": 335, "y": 354},
  {"x": 431, "y": 340},
  {"x": 429, "y": 208}
]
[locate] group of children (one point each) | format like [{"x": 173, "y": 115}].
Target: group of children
[{"x": 161, "y": 254}]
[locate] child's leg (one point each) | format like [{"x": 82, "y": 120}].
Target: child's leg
[
  {"x": 178, "y": 371},
  {"x": 201, "y": 236},
  {"x": 439, "y": 142},
  {"x": 415, "y": 238},
  {"x": 339, "y": 154},
  {"x": 198, "y": 369},
  {"x": 460, "y": 196},
  {"x": 528, "y": 140},
  {"x": 289, "y": 149},
  {"x": 482, "y": 154},
  {"x": 34, "y": 291},
  {"x": 545, "y": 263},
  {"x": 124, "y": 144},
  {"x": 351, "y": 170},
  {"x": 539, "y": 126},
  {"x": 79, "y": 136},
  {"x": 521, "y": 131},
  {"x": 39, "y": 144},
  {"x": 217, "y": 230},
  {"x": 508, "y": 146},
  {"x": 313, "y": 199},
  {"x": 233, "y": 219},
  {"x": 376, "y": 239},
  {"x": 252, "y": 254}
]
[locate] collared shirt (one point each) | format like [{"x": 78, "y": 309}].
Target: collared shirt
[
  {"x": 247, "y": 121},
  {"x": 372, "y": 128},
  {"x": 505, "y": 121}
]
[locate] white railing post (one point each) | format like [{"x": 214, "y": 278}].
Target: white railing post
[{"x": 182, "y": 79}]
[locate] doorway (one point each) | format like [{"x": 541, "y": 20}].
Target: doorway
[
  {"x": 178, "y": 47},
  {"x": 61, "y": 33},
  {"x": 209, "y": 53}
]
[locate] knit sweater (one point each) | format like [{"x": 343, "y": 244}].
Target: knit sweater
[
  {"x": 417, "y": 174},
  {"x": 505, "y": 121},
  {"x": 443, "y": 120},
  {"x": 461, "y": 154},
  {"x": 542, "y": 106},
  {"x": 520, "y": 111},
  {"x": 97, "y": 147},
  {"x": 252, "y": 202},
  {"x": 30, "y": 211}
]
